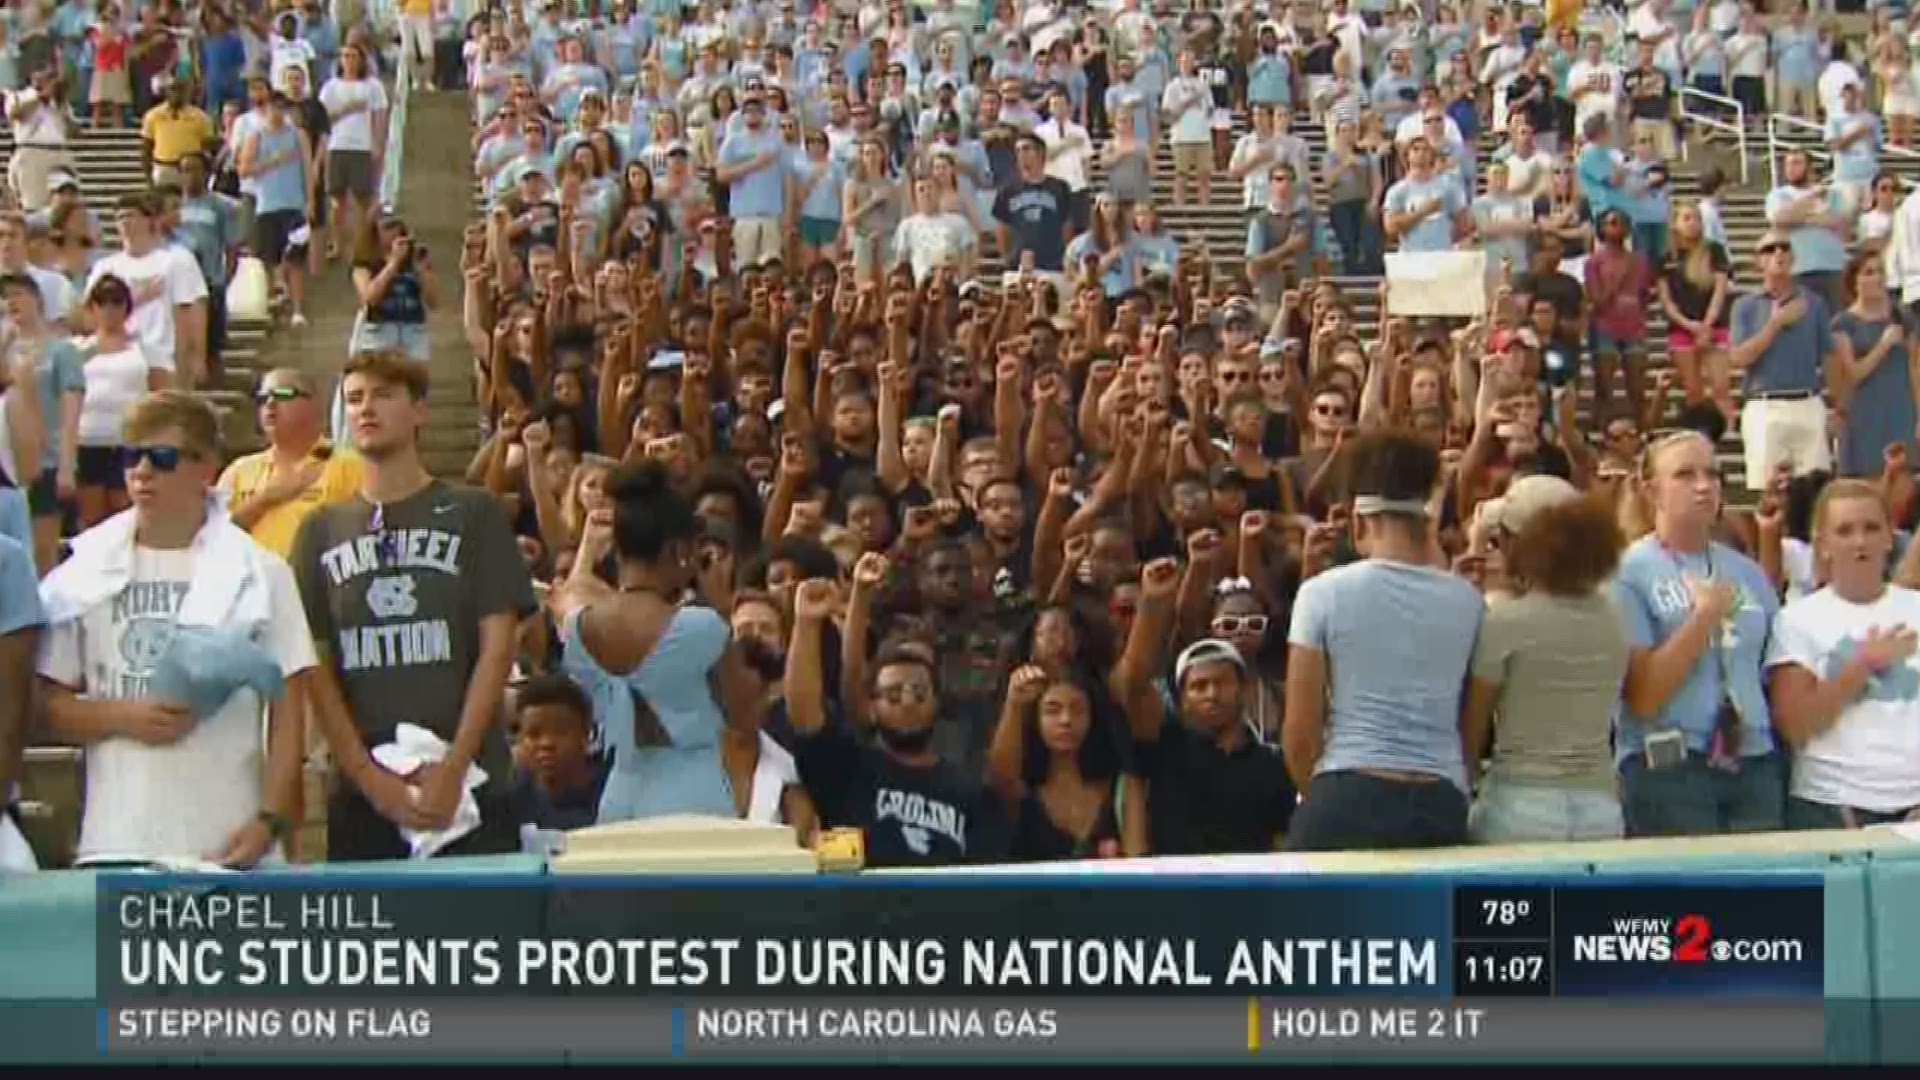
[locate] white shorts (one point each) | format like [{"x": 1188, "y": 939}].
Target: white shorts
[
  {"x": 1223, "y": 119},
  {"x": 1793, "y": 430}
]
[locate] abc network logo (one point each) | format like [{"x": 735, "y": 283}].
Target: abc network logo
[{"x": 1688, "y": 939}]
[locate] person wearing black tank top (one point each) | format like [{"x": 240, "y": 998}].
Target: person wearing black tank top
[{"x": 1055, "y": 763}]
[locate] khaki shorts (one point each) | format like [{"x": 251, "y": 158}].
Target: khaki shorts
[
  {"x": 1192, "y": 157},
  {"x": 1662, "y": 133}
]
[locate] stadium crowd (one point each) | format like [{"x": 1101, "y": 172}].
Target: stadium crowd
[{"x": 861, "y": 450}]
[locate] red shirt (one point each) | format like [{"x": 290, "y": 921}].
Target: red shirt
[{"x": 1617, "y": 283}]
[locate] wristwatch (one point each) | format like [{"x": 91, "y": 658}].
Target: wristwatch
[{"x": 276, "y": 823}]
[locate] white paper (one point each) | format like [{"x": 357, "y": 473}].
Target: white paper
[{"x": 1451, "y": 284}]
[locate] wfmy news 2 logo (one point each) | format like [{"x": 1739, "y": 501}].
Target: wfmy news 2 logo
[{"x": 1682, "y": 939}]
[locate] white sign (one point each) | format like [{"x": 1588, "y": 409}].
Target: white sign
[{"x": 1439, "y": 283}]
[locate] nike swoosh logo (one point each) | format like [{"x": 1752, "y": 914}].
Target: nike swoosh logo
[{"x": 448, "y": 509}]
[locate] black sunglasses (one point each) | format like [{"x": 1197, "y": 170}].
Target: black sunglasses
[
  {"x": 1768, "y": 249},
  {"x": 165, "y": 458},
  {"x": 282, "y": 394}
]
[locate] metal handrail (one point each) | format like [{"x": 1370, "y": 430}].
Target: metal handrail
[
  {"x": 1708, "y": 120},
  {"x": 1777, "y": 122}
]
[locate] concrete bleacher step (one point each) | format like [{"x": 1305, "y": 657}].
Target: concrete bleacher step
[{"x": 107, "y": 164}]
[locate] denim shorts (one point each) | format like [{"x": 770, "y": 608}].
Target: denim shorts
[
  {"x": 1602, "y": 345},
  {"x": 1509, "y": 812},
  {"x": 409, "y": 338}
]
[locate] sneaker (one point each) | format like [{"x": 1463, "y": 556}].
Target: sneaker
[{"x": 299, "y": 320}]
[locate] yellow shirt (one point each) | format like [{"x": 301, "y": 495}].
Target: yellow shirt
[
  {"x": 278, "y": 527},
  {"x": 419, "y": 9},
  {"x": 174, "y": 135}
]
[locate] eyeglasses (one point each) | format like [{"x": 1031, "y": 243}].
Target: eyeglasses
[
  {"x": 164, "y": 458},
  {"x": 1233, "y": 624},
  {"x": 281, "y": 394}
]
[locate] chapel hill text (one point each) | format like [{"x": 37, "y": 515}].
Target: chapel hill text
[{"x": 837, "y": 963}]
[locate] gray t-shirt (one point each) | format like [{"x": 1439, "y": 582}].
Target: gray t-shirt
[
  {"x": 397, "y": 610},
  {"x": 1560, "y": 663},
  {"x": 1398, "y": 640}
]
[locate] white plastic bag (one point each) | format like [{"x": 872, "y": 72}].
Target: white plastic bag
[{"x": 247, "y": 293}]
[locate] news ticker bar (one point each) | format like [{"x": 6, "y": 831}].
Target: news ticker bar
[{"x": 967, "y": 1029}]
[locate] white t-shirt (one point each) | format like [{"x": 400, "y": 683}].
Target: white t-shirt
[
  {"x": 771, "y": 776},
  {"x": 1070, "y": 167},
  {"x": 1870, "y": 757},
  {"x": 183, "y": 800},
  {"x": 115, "y": 381},
  {"x": 44, "y": 128},
  {"x": 1837, "y": 75},
  {"x": 161, "y": 281},
  {"x": 287, "y": 55},
  {"x": 1644, "y": 23},
  {"x": 352, "y": 132},
  {"x": 244, "y": 125},
  {"x": 1609, "y": 81},
  {"x": 1748, "y": 54},
  {"x": 1530, "y": 176}
]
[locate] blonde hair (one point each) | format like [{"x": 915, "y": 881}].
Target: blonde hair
[
  {"x": 1845, "y": 490},
  {"x": 1636, "y": 506},
  {"x": 572, "y": 516},
  {"x": 1698, "y": 267},
  {"x": 189, "y": 414}
]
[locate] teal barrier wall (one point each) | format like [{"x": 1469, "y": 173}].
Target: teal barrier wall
[{"x": 1872, "y": 930}]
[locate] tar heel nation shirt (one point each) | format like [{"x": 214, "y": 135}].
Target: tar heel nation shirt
[
  {"x": 911, "y": 815},
  {"x": 396, "y": 602}
]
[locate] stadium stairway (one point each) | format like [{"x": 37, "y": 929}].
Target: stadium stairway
[
  {"x": 439, "y": 148},
  {"x": 108, "y": 166}
]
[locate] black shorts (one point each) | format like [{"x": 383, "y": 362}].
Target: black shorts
[
  {"x": 99, "y": 466},
  {"x": 271, "y": 236},
  {"x": 350, "y": 172}
]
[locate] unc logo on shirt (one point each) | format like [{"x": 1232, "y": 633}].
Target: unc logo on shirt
[
  {"x": 143, "y": 642},
  {"x": 916, "y": 838},
  {"x": 392, "y": 597}
]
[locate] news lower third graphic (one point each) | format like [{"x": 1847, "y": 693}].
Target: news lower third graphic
[{"x": 1198, "y": 969}]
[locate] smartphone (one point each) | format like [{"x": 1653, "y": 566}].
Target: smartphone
[{"x": 1665, "y": 749}]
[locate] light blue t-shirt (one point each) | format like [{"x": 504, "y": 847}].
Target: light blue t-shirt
[
  {"x": 1816, "y": 248},
  {"x": 1795, "y": 53},
  {"x": 1398, "y": 640},
  {"x": 823, "y": 200},
  {"x": 1858, "y": 163},
  {"x": 1117, "y": 279},
  {"x": 1270, "y": 81},
  {"x": 1435, "y": 232},
  {"x": 60, "y": 372},
  {"x": 1156, "y": 254},
  {"x": 19, "y": 598},
  {"x": 16, "y": 525},
  {"x": 758, "y": 194},
  {"x": 1654, "y": 603},
  {"x": 685, "y": 776}
]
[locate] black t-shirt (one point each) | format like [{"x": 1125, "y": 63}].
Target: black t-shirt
[
  {"x": 1319, "y": 58},
  {"x": 545, "y": 227},
  {"x": 1691, "y": 299},
  {"x": 1566, "y": 294},
  {"x": 1573, "y": 249},
  {"x": 1540, "y": 110},
  {"x": 912, "y": 816},
  {"x": 1037, "y": 215},
  {"x": 1209, "y": 801},
  {"x": 1220, "y": 79},
  {"x": 1647, "y": 94}
]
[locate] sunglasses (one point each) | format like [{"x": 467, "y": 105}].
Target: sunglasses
[
  {"x": 1233, "y": 624},
  {"x": 164, "y": 458},
  {"x": 1771, "y": 249},
  {"x": 281, "y": 394}
]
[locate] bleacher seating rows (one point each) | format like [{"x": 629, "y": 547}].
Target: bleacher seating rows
[{"x": 108, "y": 166}]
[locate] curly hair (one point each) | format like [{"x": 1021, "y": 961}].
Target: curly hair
[{"x": 1568, "y": 550}]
